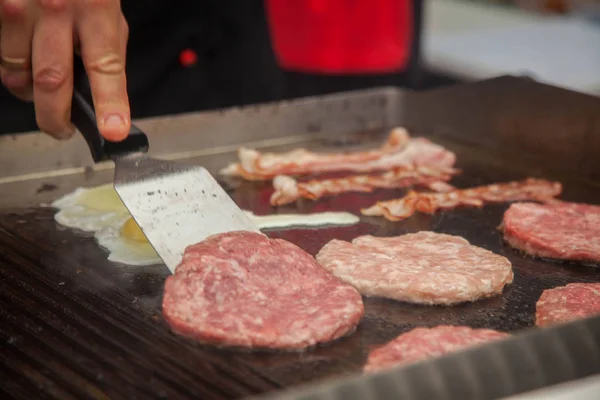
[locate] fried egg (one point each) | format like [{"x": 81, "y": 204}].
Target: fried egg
[{"x": 99, "y": 210}]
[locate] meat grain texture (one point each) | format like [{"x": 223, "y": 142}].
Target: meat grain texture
[
  {"x": 560, "y": 230},
  {"x": 424, "y": 343},
  {"x": 424, "y": 267},
  {"x": 243, "y": 289},
  {"x": 567, "y": 303}
]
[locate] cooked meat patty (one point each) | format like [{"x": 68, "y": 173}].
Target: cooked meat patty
[
  {"x": 424, "y": 267},
  {"x": 561, "y": 230}
]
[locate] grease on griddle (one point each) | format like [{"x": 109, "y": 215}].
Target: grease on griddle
[{"x": 46, "y": 187}]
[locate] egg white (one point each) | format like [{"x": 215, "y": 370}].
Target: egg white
[
  {"x": 124, "y": 250},
  {"x": 75, "y": 213},
  {"x": 99, "y": 210}
]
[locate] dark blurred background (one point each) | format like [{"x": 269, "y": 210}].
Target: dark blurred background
[{"x": 193, "y": 55}]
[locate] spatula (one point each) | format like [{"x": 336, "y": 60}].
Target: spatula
[{"x": 175, "y": 205}]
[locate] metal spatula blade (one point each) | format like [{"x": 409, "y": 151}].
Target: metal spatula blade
[{"x": 175, "y": 205}]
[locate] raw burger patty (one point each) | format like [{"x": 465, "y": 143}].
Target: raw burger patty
[
  {"x": 564, "y": 231},
  {"x": 424, "y": 267},
  {"x": 568, "y": 303},
  {"x": 423, "y": 343},
  {"x": 243, "y": 289}
]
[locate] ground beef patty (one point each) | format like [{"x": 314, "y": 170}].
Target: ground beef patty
[
  {"x": 564, "y": 231},
  {"x": 423, "y": 343},
  {"x": 243, "y": 289},
  {"x": 424, "y": 267},
  {"x": 567, "y": 303}
]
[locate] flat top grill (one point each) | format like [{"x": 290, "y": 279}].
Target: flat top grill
[{"x": 77, "y": 326}]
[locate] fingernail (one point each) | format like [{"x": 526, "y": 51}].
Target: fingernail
[{"x": 114, "y": 121}]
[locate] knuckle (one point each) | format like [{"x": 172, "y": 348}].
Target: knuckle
[
  {"x": 54, "y": 5},
  {"x": 50, "y": 79},
  {"x": 110, "y": 64},
  {"x": 13, "y": 9}
]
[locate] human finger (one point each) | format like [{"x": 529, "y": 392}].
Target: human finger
[
  {"x": 102, "y": 32},
  {"x": 15, "y": 47},
  {"x": 52, "y": 68}
]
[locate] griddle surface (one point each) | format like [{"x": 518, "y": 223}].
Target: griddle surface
[{"x": 74, "y": 325}]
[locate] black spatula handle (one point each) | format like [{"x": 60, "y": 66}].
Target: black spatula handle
[{"x": 84, "y": 119}]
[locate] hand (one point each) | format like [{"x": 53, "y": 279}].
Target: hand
[{"x": 37, "y": 39}]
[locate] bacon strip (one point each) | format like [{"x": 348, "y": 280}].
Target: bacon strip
[
  {"x": 288, "y": 190},
  {"x": 398, "y": 150},
  {"x": 428, "y": 203}
]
